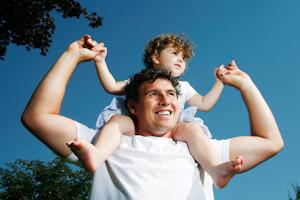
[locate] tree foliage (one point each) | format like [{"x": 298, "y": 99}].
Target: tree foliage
[
  {"x": 296, "y": 189},
  {"x": 29, "y": 23},
  {"x": 43, "y": 180}
]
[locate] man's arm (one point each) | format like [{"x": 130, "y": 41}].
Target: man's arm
[
  {"x": 265, "y": 140},
  {"x": 41, "y": 115}
]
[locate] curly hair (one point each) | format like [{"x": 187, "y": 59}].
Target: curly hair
[
  {"x": 148, "y": 75},
  {"x": 155, "y": 46}
]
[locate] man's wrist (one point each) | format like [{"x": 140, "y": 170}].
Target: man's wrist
[
  {"x": 72, "y": 55},
  {"x": 247, "y": 85}
]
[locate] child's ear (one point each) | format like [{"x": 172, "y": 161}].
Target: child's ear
[{"x": 155, "y": 59}]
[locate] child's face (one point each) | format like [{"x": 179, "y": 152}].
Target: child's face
[{"x": 170, "y": 60}]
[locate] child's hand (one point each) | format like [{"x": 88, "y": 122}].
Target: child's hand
[
  {"x": 219, "y": 70},
  {"x": 102, "y": 52}
]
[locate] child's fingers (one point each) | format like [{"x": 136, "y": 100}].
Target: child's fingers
[
  {"x": 91, "y": 42},
  {"x": 99, "y": 46},
  {"x": 101, "y": 43},
  {"x": 221, "y": 70},
  {"x": 94, "y": 42},
  {"x": 216, "y": 70}
]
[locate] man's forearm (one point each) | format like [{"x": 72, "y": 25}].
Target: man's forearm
[{"x": 262, "y": 121}]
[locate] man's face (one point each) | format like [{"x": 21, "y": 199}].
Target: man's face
[{"x": 157, "y": 108}]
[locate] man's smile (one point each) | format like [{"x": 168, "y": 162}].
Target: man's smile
[{"x": 164, "y": 112}]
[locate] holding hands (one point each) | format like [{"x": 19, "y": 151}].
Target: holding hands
[
  {"x": 86, "y": 49},
  {"x": 233, "y": 76}
]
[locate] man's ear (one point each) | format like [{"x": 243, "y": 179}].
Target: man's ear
[
  {"x": 131, "y": 106},
  {"x": 155, "y": 58}
]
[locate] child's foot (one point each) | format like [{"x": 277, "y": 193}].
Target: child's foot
[
  {"x": 87, "y": 153},
  {"x": 225, "y": 171}
]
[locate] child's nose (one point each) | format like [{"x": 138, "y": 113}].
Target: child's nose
[{"x": 180, "y": 59}]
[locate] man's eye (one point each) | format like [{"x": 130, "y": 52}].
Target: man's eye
[
  {"x": 172, "y": 93},
  {"x": 152, "y": 94}
]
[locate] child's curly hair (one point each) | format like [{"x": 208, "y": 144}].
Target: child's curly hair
[{"x": 179, "y": 42}]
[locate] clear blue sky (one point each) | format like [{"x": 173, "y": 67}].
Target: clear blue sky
[{"x": 263, "y": 36}]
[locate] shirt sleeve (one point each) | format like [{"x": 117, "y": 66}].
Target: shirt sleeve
[{"x": 187, "y": 91}]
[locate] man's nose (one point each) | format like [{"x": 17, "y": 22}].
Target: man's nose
[{"x": 164, "y": 100}]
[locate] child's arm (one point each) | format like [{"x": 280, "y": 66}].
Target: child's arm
[
  {"x": 207, "y": 102},
  {"x": 107, "y": 80}
]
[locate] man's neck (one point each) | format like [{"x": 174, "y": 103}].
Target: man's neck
[{"x": 167, "y": 134}]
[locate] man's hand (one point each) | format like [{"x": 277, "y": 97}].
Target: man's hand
[
  {"x": 233, "y": 76},
  {"x": 82, "y": 49}
]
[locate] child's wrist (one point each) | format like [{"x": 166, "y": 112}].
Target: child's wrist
[
  {"x": 219, "y": 82},
  {"x": 99, "y": 62}
]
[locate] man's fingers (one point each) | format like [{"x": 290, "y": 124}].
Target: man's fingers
[
  {"x": 232, "y": 65},
  {"x": 86, "y": 37},
  {"x": 83, "y": 39}
]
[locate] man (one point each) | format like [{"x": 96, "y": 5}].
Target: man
[{"x": 152, "y": 167}]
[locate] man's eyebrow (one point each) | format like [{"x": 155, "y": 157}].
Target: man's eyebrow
[
  {"x": 158, "y": 90},
  {"x": 171, "y": 90}
]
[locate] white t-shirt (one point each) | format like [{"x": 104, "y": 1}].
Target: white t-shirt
[
  {"x": 186, "y": 92},
  {"x": 151, "y": 168}
]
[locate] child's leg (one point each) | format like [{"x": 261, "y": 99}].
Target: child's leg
[
  {"x": 204, "y": 153},
  {"x": 92, "y": 156}
]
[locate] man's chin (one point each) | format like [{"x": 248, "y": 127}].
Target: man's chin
[{"x": 165, "y": 128}]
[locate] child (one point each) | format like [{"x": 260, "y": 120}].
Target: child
[{"x": 170, "y": 53}]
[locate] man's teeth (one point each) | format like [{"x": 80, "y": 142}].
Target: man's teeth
[{"x": 164, "y": 113}]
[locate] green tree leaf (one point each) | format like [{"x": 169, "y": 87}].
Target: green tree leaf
[
  {"x": 29, "y": 23},
  {"x": 43, "y": 180}
]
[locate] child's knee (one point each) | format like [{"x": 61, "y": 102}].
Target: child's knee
[
  {"x": 190, "y": 127},
  {"x": 118, "y": 118},
  {"x": 187, "y": 130},
  {"x": 124, "y": 122}
]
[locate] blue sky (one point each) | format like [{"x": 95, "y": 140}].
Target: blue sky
[{"x": 263, "y": 36}]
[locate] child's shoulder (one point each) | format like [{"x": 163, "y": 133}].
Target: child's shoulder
[
  {"x": 186, "y": 88},
  {"x": 184, "y": 84}
]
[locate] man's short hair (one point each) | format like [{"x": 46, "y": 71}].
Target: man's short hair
[{"x": 148, "y": 75}]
